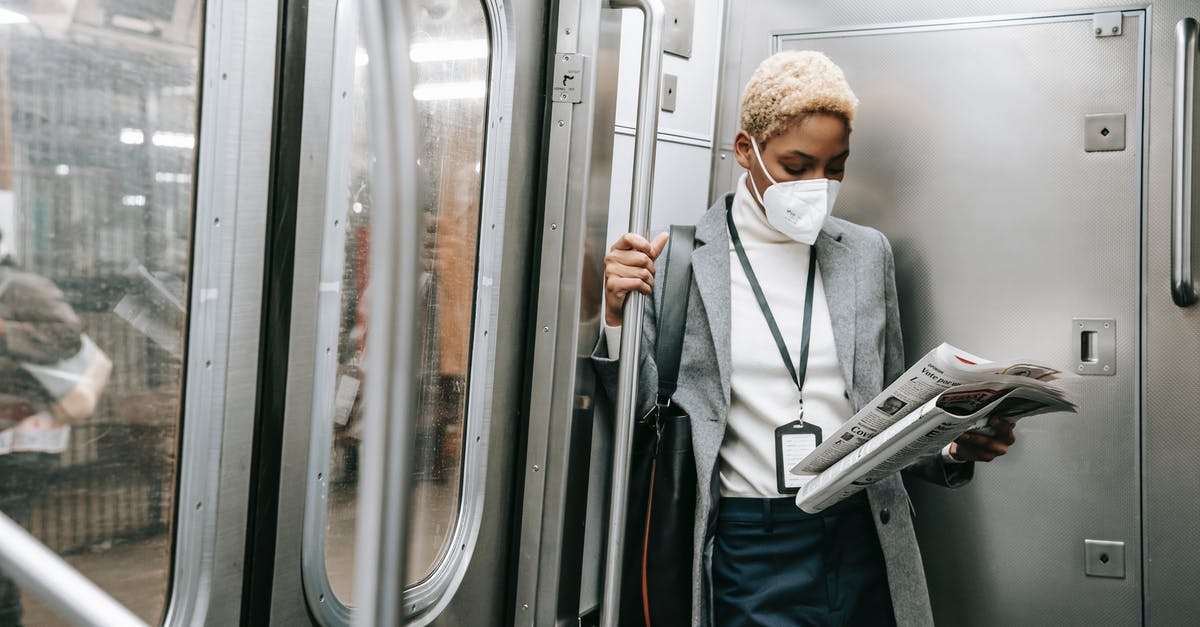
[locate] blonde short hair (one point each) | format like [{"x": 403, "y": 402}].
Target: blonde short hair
[{"x": 790, "y": 85}]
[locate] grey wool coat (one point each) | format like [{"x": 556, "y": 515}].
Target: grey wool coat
[{"x": 857, "y": 270}]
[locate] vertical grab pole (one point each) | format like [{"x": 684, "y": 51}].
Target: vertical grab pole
[
  {"x": 391, "y": 386},
  {"x": 649, "y": 87},
  {"x": 1182, "y": 290}
]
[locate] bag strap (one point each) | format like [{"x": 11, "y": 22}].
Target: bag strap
[{"x": 676, "y": 285}]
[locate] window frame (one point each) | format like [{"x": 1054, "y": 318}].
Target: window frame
[
  {"x": 425, "y": 600},
  {"x": 237, "y": 70}
]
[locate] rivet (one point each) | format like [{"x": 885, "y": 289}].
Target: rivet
[
  {"x": 545, "y": 329},
  {"x": 561, "y": 124},
  {"x": 1106, "y": 368},
  {"x": 1115, "y": 30},
  {"x": 1081, "y": 367},
  {"x": 567, "y": 31},
  {"x": 566, "y": 58},
  {"x": 524, "y": 606},
  {"x": 536, "y": 468},
  {"x": 1099, "y": 30},
  {"x": 1105, "y": 325},
  {"x": 554, "y": 227}
]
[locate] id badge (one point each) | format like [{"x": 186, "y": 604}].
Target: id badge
[{"x": 793, "y": 442}]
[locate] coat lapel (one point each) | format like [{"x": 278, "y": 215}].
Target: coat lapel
[
  {"x": 710, "y": 266},
  {"x": 837, "y": 266}
]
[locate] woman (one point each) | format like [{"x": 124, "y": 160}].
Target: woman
[{"x": 770, "y": 253}]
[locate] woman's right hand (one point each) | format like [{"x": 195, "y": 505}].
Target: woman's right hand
[{"x": 629, "y": 266}]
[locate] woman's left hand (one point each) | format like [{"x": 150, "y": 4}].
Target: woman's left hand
[{"x": 981, "y": 447}]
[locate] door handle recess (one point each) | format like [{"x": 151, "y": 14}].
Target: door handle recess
[
  {"x": 390, "y": 394},
  {"x": 1183, "y": 292},
  {"x": 649, "y": 92}
]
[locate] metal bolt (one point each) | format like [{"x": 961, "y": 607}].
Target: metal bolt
[
  {"x": 524, "y": 606},
  {"x": 1081, "y": 367},
  {"x": 545, "y": 329},
  {"x": 1116, "y": 29},
  {"x": 567, "y": 31},
  {"x": 561, "y": 124},
  {"x": 554, "y": 227},
  {"x": 536, "y": 468},
  {"x": 566, "y": 58},
  {"x": 562, "y": 96},
  {"x": 1098, "y": 30},
  {"x": 1106, "y": 368},
  {"x": 1105, "y": 325}
]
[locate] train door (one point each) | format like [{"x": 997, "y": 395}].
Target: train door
[
  {"x": 628, "y": 137},
  {"x": 133, "y": 187},
  {"x": 1020, "y": 161},
  {"x": 474, "y": 141}
]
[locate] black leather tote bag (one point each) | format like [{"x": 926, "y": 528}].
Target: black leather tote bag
[{"x": 656, "y": 582}]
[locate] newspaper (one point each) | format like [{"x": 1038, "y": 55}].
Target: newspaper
[
  {"x": 926, "y": 430},
  {"x": 939, "y": 370}
]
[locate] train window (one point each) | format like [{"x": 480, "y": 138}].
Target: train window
[
  {"x": 98, "y": 119},
  {"x": 450, "y": 53}
]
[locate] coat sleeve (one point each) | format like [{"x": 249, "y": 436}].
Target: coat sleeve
[
  {"x": 930, "y": 468},
  {"x": 607, "y": 366},
  {"x": 39, "y": 327}
]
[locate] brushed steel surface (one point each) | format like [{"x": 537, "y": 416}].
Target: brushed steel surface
[
  {"x": 1104, "y": 558},
  {"x": 1184, "y": 140},
  {"x": 232, "y": 186},
  {"x": 670, "y": 84},
  {"x": 679, "y": 18},
  {"x": 1108, "y": 24},
  {"x": 566, "y": 318},
  {"x": 318, "y": 591},
  {"x": 1171, "y": 433},
  {"x": 1103, "y": 132},
  {"x": 966, "y": 153},
  {"x": 1094, "y": 346},
  {"x": 567, "y": 81},
  {"x": 288, "y": 605}
]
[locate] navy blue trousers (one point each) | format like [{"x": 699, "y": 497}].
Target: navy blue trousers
[{"x": 774, "y": 565}]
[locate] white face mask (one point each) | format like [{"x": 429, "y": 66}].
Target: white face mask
[{"x": 796, "y": 208}]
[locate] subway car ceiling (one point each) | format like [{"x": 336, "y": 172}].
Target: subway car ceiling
[{"x": 331, "y": 273}]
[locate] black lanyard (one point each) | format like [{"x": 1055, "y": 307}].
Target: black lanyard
[{"x": 797, "y": 377}]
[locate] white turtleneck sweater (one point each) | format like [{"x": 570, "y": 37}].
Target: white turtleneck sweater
[{"x": 763, "y": 395}]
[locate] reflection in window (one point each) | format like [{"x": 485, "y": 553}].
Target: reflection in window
[
  {"x": 98, "y": 116},
  {"x": 450, "y": 54}
]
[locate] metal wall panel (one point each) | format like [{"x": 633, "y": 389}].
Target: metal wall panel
[
  {"x": 560, "y": 469},
  {"x": 1170, "y": 431},
  {"x": 1005, "y": 229},
  {"x": 975, "y": 137}
]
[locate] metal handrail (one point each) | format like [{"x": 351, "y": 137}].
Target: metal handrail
[
  {"x": 391, "y": 384},
  {"x": 645, "y": 142},
  {"x": 42, "y": 572},
  {"x": 1182, "y": 289}
]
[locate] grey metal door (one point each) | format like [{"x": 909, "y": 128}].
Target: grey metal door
[{"x": 971, "y": 153}]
